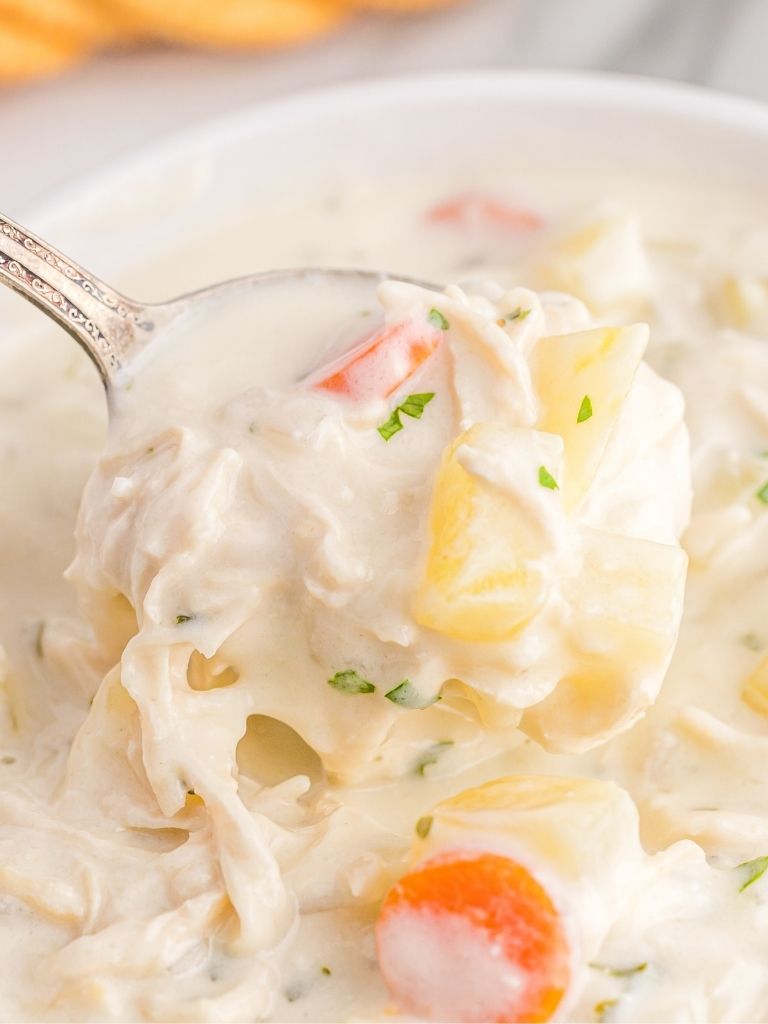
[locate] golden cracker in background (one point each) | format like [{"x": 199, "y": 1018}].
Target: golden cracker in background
[
  {"x": 31, "y": 53},
  {"x": 86, "y": 22},
  {"x": 39, "y": 37},
  {"x": 232, "y": 23},
  {"x": 405, "y": 6}
]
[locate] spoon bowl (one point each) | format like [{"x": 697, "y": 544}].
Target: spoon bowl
[{"x": 119, "y": 333}]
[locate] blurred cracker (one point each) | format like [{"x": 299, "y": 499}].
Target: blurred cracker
[
  {"x": 29, "y": 53},
  {"x": 233, "y": 23},
  {"x": 405, "y": 6},
  {"x": 86, "y": 22}
]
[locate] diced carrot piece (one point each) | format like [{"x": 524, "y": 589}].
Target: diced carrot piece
[
  {"x": 471, "y": 210},
  {"x": 383, "y": 362},
  {"x": 472, "y": 936}
]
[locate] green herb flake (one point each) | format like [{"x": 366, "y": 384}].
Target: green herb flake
[
  {"x": 293, "y": 993},
  {"x": 325, "y": 970},
  {"x": 517, "y": 314},
  {"x": 432, "y": 756},
  {"x": 350, "y": 682},
  {"x": 620, "y": 972},
  {"x": 39, "y": 633},
  {"x": 603, "y": 1007},
  {"x": 392, "y": 426},
  {"x": 751, "y": 641},
  {"x": 424, "y": 826},
  {"x": 762, "y": 494},
  {"x": 180, "y": 619},
  {"x": 413, "y": 406},
  {"x": 436, "y": 317},
  {"x": 547, "y": 480},
  {"x": 755, "y": 870},
  {"x": 585, "y": 409},
  {"x": 405, "y": 695}
]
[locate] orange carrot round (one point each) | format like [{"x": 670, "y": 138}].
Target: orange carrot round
[{"x": 472, "y": 936}]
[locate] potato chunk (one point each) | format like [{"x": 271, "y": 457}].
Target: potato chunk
[
  {"x": 604, "y": 263},
  {"x": 493, "y": 524},
  {"x": 587, "y": 372},
  {"x": 627, "y": 601},
  {"x": 755, "y": 691}
]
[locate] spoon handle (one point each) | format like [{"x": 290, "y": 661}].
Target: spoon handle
[{"x": 110, "y": 327}]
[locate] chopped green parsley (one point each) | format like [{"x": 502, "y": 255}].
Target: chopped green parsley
[
  {"x": 39, "y": 632},
  {"x": 762, "y": 494},
  {"x": 182, "y": 618},
  {"x": 392, "y": 426},
  {"x": 424, "y": 826},
  {"x": 436, "y": 317},
  {"x": 585, "y": 409},
  {"x": 431, "y": 756},
  {"x": 752, "y": 641},
  {"x": 349, "y": 681},
  {"x": 517, "y": 314},
  {"x": 293, "y": 993},
  {"x": 620, "y": 972},
  {"x": 547, "y": 480},
  {"x": 755, "y": 869},
  {"x": 603, "y": 1007},
  {"x": 406, "y": 695},
  {"x": 413, "y": 406}
]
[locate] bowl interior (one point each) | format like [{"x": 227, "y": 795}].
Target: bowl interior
[{"x": 198, "y": 207}]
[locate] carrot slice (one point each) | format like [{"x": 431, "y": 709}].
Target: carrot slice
[
  {"x": 383, "y": 362},
  {"x": 473, "y": 210},
  {"x": 472, "y": 936}
]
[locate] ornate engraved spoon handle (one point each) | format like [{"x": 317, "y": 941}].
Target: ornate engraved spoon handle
[{"x": 110, "y": 327}]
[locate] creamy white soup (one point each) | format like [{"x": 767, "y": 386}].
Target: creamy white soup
[{"x": 411, "y": 661}]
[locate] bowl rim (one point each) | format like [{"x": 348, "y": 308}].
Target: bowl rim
[{"x": 603, "y": 89}]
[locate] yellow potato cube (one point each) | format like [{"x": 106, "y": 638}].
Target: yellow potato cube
[
  {"x": 492, "y": 524},
  {"x": 582, "y": 380},
  {"x": 627, "y": 600},
  {"x": 742, "y": 302},
  {"x": 604, "y": 264},
  {"x": 548, "y": 814},
  {"x": 578, "y": 836},
  {"x": 755, "y": 692}
]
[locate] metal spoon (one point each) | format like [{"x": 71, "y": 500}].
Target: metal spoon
[{"x": 112, "y": 328}]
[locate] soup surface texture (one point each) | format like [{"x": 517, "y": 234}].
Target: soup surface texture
[{"x": 411, "y": 660}]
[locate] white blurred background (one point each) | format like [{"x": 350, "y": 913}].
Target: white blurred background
[{"x": 54, "y": 130}]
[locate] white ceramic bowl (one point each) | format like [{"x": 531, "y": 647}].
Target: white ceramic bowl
[{"x": 186, "y": 189}]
